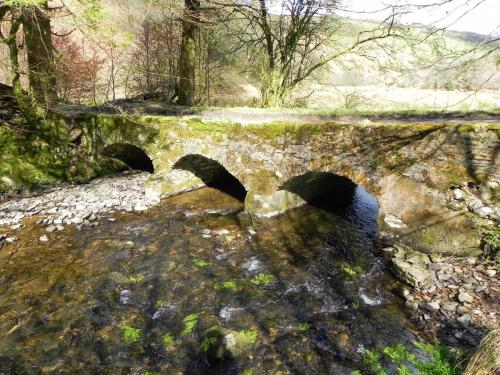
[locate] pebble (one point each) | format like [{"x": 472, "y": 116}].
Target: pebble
[
  {"x": 480, "y": 289},
  {"x": 125, "y": 296},
  {"x": 450, "y": 307},
  {"x": 44, "y": 238},
  {"x": 77, "y": 203},
  {"x": 464, "y": 320},
  {"x": 490, "y": 273},
  {"x": 51, "y": 228},
  {"x": 465, "y": 297},
  {"x": 432, "y": 306},
  {"x": 458, "y": 195}
]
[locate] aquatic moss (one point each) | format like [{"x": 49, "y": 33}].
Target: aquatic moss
[
  {"x": 225, "y": 285},
  {"x": 160, "y": 303},
  {"x": 131, "y": 334},
  {"x": 247, "y": 336},
  {"x": 136, "y": 279},
  {"x": 168, "y": 339},
  {"x": 200, "y": 263},
  {"x": 262, "y": 279},
  {"x": 207, "y": 343},
  {"x": 349, "y": 271},
  {"x": 304, "y": 326},
  {"x": 190, "y": 323}
]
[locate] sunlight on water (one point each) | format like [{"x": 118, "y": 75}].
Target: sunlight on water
[{"x": 195, "y": 286}]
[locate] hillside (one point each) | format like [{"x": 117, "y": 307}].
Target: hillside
[{"x": 394, "y": 75}]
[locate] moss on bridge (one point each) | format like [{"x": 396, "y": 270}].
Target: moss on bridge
[{"x": 50, "y": 156}]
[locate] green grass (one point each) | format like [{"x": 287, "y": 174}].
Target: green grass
[{"x": 442, "y": 362}]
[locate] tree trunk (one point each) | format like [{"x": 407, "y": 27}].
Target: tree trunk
[
  {"x": 40, "y": 51},
  {"x": 187, "y": 58},
  {"x": 23, "y": 99}
]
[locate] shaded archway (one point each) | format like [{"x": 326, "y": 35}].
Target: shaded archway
[
  {"x": 213, "y": 174},
  {"x": 337, "y": 194},
  {"x": 133, "y": 156}
]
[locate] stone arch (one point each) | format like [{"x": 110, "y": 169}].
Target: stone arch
[
  {"x": 135, "y": 157},
  {"x": 325, "y": 190},
  {"x": 337, "y": 194},
  {"x": 212, "y": 174}
]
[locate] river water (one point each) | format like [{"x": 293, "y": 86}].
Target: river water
[{"x": 193, "y": 286}]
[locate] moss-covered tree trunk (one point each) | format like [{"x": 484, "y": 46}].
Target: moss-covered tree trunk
[
  {"x": 40, "y": 51},
  {"x": 187, "y": 58},
  {"x": 23, "y": 99}
]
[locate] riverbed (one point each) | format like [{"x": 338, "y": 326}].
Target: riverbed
[{"x": 192, "y": 285}]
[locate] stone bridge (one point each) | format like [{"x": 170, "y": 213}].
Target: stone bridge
[{"x": 275, "y": 166}]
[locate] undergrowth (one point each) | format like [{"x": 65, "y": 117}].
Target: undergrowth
[{"x": 442, "y": 360}]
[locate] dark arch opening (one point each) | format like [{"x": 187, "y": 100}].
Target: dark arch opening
[
  {"x": 337, "y": 194},
  {"x": 213, "y": 174},
  {"x": 133, "y": 156}
]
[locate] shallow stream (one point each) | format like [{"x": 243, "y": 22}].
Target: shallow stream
[{"x": 193, "y": 286}]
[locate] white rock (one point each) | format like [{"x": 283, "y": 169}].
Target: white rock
[
  {"x": 490, "y": 273},
  {"x": 480, "y": 209},
  {"x": 51, "y": 228},
  {"x": 44, "y": 238},
  {"x": 458, "y": 195},
  {"x": 394, "y": 221}
]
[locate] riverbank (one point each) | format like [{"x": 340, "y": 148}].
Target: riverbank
[{"x": 77, "y": 204}]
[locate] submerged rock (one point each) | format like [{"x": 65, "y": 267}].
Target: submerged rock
[{"x": 125, "y": 296}]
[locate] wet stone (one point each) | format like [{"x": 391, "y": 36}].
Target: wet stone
[
  {"x": 464, "y": 320},
  {"x": 125, "y": 296},
  {"x": 51, "y": 228}
]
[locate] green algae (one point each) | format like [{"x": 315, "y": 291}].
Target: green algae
[
  {"x": 262, "y": 279},
  {"x": 304, "y": 326},
  {"x": 131, "y": 334},
  {"x": 136, "y": 279},
  {"x": 190, "y": 323},
  {"x": 200, "y": 263},
  {"x": 225, "y": 285},
  {"x": 168, "y": 339}
]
